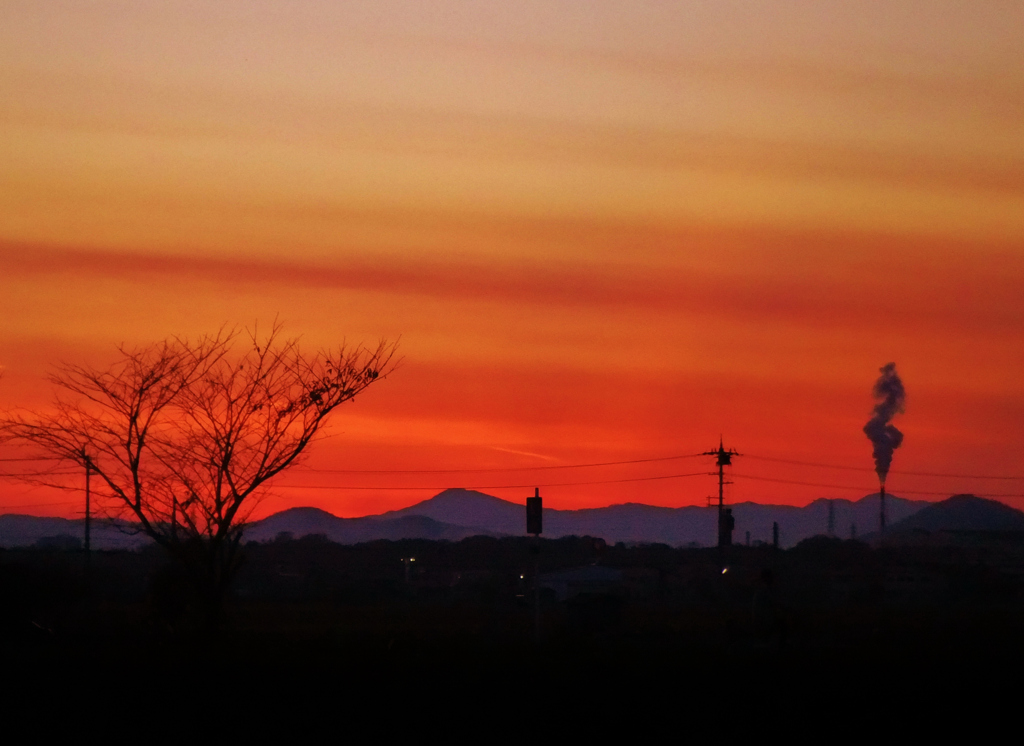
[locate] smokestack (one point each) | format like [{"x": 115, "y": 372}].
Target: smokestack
[
  {"x": 881, "y": 509},
  {"x": 890, "y": 399}
]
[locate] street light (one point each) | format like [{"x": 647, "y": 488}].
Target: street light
[{"x": 407, "y": 561}]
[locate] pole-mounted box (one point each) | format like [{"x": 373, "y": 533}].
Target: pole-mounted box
[{"x": 534, "y": 514}]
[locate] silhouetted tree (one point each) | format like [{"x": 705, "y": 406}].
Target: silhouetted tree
[{"x": 180, "y": 436}]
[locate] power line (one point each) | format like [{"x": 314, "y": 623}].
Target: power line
[
  {"x": 494, "y": 486},
  {"x": 34, "y": 458},
  {"x": 39, "y": 505},
  {"x": 497, "y": 469},
  {"x": 809, "y": 463},
  {"x": 805, "y": 484},
  {"x": 894, "y": 471},
  {"x": 861, "y": 489},
  {"x": 795, "y": 462},
  {"x": 952, "y": 476},
  {"x": 25, "y": 475},
  {"x": 37, "y": 474},
  {"x": 29, "y": 474}
]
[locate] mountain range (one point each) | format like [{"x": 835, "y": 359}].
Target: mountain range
[
  {"x": 962, "y": 513},
  {"x": 26, "y": 530},
  {"x": 457, "y": 513}
]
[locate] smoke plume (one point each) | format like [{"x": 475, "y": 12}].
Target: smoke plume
[{"x": 885, "y": 438}]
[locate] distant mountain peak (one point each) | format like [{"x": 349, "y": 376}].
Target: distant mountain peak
[
  {"x": 306, "y": 511},
  {"x": 963, "y": 512},
  {"x": 461, "y": 493}
]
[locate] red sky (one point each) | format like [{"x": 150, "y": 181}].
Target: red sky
[{"x": 601, "y": 236}]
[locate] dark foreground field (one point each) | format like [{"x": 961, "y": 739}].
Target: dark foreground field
[{"x": 829, "y": 619}]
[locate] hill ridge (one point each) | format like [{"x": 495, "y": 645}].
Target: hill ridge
[{"x": 456, "y": 513}]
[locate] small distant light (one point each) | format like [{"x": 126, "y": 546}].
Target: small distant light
[
  {"x": 412, "y": 559},
  {"x": 725, "y": 570},
  {"x": 521, "y": 577}
]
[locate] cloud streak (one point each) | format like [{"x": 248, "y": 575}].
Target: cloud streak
[
  {"x": 167, "y": 111},
  {"x": 960, "y": 295}
]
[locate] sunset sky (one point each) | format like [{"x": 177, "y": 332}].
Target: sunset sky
[{"x": 603, "y": 231}]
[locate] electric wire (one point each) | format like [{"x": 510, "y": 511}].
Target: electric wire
[
  {"x": 493, "y": 486},
  {"x": 386, "y": 488},
  {"x": 497, "y": 469},
  {"x": 795, "y": 462},
  {"x": 33, "y": 458},
  {"x": 868, "y": 469},
  {"x": 857, "y": 489},
  {"x": 29, "y": 475},
  {"x": 738, "y": 475},
  {"x": 41, "y": 505}
]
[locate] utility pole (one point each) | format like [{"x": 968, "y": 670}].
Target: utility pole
[
  {"x": 726, "y": 522},
  {"x": 88, "y": 520},
  {"x": 535, "y": 526}
]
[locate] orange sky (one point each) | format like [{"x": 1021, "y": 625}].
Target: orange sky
[{"x": 603, "y": 231}]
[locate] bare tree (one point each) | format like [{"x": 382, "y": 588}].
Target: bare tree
[{"x": 181, "y": 436}]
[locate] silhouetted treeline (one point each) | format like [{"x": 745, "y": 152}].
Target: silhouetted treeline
[
  {"x": 821, "y": 571},
  {"x": 829, "y": 618},
  {"x": 386, "y": 608}
]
